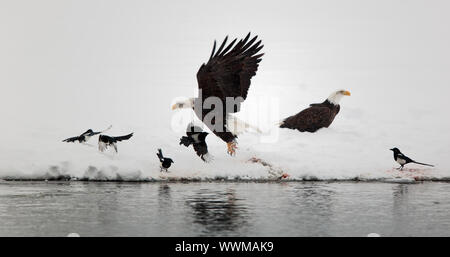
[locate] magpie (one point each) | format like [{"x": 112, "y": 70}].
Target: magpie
[
  {"x": 85, "y": 136},
  {"x": 165, "y": 162},
  {"x": 403, "y": 159},
  {"x": 104, "y": 141},
  {"x": 196, "y": 137}
]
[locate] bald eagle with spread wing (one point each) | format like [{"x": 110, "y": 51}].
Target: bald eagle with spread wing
[
  {"x": 223, "y": 84},
  {"x": 317, "y": 116}
]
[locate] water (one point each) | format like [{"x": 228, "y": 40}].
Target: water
[{"x": 224, "y": 209}]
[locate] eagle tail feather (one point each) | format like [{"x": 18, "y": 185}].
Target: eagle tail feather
[{"x": 238, "y": 126}]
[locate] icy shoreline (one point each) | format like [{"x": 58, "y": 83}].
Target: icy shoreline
[
  {"x": 295, "y": 157},
  {"x": 175, "y": 179}
]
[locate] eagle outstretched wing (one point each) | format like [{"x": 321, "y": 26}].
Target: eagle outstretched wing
[
  {"x": 229, "y": 69},
  {"x": 227, "y": 74}
]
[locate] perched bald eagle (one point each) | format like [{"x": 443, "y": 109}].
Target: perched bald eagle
[
  {"x": 317, "y": 116},
  {"x": 223, "y": 84}
]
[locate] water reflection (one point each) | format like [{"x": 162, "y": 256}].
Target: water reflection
[
  {"x": 400, "y": 198},
  {"x": 400, "y": 208},
  {"x": 400, "y": 191},
  {"x": 224, "y": 209},
  {"x": 315, "y": 205},
  {"x": 164, "y": 196},
  {"x": 218, "y": 213},
  {"x": 107, "y": 205},
  {"x": 318, "y": 198}
]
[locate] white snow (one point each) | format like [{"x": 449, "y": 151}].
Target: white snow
[
  {"x": 345, "y": 151},
  {"x": 59, "y": 77}
]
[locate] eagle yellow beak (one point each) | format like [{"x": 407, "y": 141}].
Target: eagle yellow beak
[
  {"x": 347, "y": 93},
  {"x": 174, "y": 107}
]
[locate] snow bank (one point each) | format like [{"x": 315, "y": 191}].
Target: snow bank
[{"x": 345, "y": 151}]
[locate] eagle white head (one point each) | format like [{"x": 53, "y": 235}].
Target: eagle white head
[
  {"x": 336, "y": 97},
  {"x": 184, "y": 104}
]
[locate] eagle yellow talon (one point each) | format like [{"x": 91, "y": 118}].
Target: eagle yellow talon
[{"x": 231, "y": 148}]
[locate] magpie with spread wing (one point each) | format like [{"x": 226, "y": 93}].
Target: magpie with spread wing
[
  {"x": 104, "y": 141},
  {"x": 85, "y": 136},
  {"x": 196, "y": 137}
]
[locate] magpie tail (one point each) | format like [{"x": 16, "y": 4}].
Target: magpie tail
[
  {"x": 160, "y": 155},
  {"x": 423, "y": 164},
  {"x": 186, "y": 141}
]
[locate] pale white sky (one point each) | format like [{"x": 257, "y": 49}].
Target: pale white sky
[{"x": 67, "y": 63}]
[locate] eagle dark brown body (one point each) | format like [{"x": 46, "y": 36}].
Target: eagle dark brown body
[
  {"x": 227, "y": 74},
  {"x": 223, "y": 84},
  {"x": 315, "y": 117}
]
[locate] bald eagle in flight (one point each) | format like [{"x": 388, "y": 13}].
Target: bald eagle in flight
[
  {"x": 223, "y": 84},
  {"x": 317, "y": 116}
]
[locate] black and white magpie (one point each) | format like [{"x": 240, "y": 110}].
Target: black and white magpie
[
  {"x": 403, "y": 159},
  {"x": 196, "y": 137},
  {"x": 85, "y": 136},
  {"x": 104, "y": 141},
  {"x": 165, "y": 162}
]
